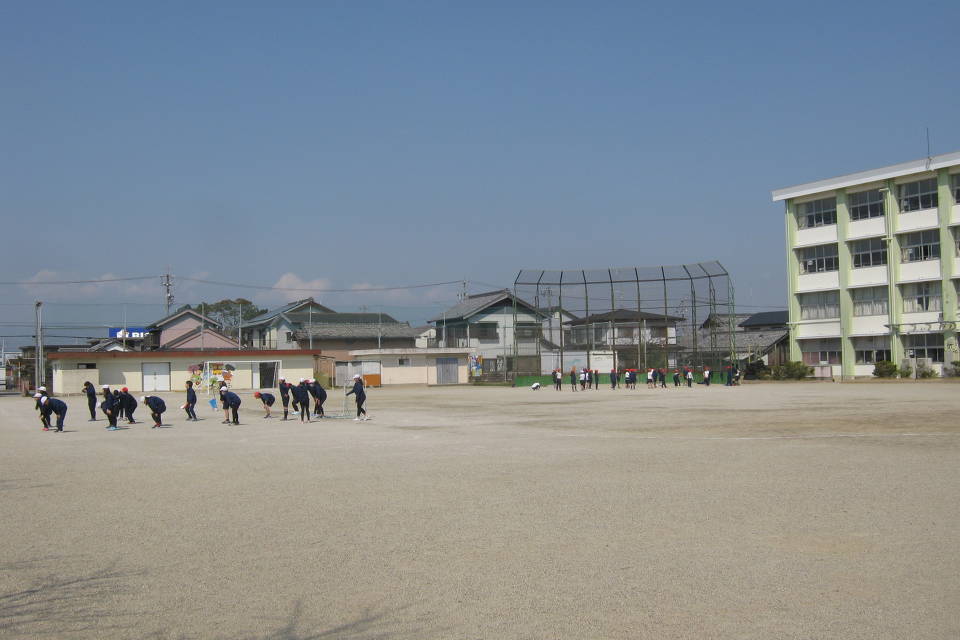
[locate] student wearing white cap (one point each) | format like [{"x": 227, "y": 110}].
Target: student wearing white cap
[
  {"x": 360, "y": 396},
  {"x": 40, "y": 405}
]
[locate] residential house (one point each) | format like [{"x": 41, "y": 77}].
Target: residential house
[
  {"x": 186, "y": 329},
  {"x": 275, "y": 329}
]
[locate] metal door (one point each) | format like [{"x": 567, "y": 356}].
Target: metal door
[
  {"x": 156, "y": 376},
  {"x": 447, "y": 371}
]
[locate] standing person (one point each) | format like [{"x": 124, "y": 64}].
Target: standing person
[
  {"x": 596, "y": 379},
  {"x": 649, "y": 378},
  {"x": 231, "y": 404},
  {"x": 109, "y": 408},
  {"x": 284, "y": 395},
  {"x": 613, "y": 378},
  {"x": 583, "y": 379},
  {"x": 129, "y": 404},
  {"x": 301, "y": 399},
  {"x": 191, "y": 402},
  {"x": 729, "y": 377},
  {"x": 573, "y": 378},
  {"x": 557, "y": 379},
  {"x": 706, "y": 376},
  {"x": 360, "y": 396},
  {"x": 91, "y": 392},
  {"x": 589, "y": 378},
  {"x": 663, "y": 378},
  {"x": 157, "y": 406},
  {"x": 319, "y": 397},
  {"x": 676, "y": 377},
  {"x": 267, "y": 399},
  {"x": 690, "y": 378}
]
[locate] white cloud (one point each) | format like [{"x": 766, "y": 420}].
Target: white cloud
[
  {"x": 301, "y": 289},
  {"x": 141, "y": 290}
]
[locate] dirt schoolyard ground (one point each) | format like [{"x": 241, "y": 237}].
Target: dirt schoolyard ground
[{"x": 764, "y": 511}]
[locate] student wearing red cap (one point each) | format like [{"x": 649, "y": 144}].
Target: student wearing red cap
[
  {"x": 267, "y": 399},
  {"x": 128, "y": 405}
]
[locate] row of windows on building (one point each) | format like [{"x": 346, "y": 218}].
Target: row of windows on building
[
  {"x": 872, "y": 349},
  {"x": 911, "y": 196},
  {"x": 917, "y": 297},
  {"x": 872, "y": 252}
]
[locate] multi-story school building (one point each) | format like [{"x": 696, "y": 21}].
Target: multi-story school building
[{"x": 873, "y": 264}]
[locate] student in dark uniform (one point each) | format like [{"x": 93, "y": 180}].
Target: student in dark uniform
[
  {"x": 319, "y": 397},
  {"x": 663, "y": 378},
  {"x": 40, "y": 404},
  {"x": 109, "y": 408},
  {"x": 312, "y": 393},
  {"x": 231, "y": 404},
  {"x": 573, "y": 378},
  {"x": 58, "y": 407},
  {"x": 613, "y": 378},
  {"x": 361, "y": 397},
  {"x": 295, "y": 400},
  {"x": 301, "y": 399},
  {"x": 157, "y": 406},
  {"x": 91, "y": 392},
  {"x": 285, "y": 395},
  {"x": 191, "y": 402},
  {"x": 267, "y": 399},
  {"x": 129, "y": 404},
  {"x": 676, "y": 377}
]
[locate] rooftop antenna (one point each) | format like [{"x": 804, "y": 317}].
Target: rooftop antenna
[{"x": 929, "y": 155}]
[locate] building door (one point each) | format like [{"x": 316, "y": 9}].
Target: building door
[
  {"x": 447, "y": 371},
  {"x": 156, "y": 376}
]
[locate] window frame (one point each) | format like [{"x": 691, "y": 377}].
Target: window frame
[
  {"x": 872, "y": 303},
  {"x": 826, "y": 307},
  {"x": 920, "y": 246},
  {"x": 815, "y": 213},
  {"x": 919, "y": 201},
  {"x": 936, "y": 346},
  {"x": 929, "y": 292},
  {"x": 865, "y": 207},
  {"x": 821, "y": 258},
  {"x": 877, "y": 250}
]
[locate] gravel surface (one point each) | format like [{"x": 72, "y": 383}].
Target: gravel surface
[{"x": 765, "y": 511}]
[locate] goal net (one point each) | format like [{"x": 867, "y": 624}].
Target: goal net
[{"x": 238, "y": 374}]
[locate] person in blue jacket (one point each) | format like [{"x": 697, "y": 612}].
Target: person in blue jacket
[
  {"x": 157, "y": 406},
  {"x": 50, "y": 406},
  {"x": 109, "y": 408},
  {"x": 360, "y": 396},
  {"x": 267, "y": 399},
  {"x": 285, "y": 395},
  {"x": 301, "y": 399},
  {"x": 191, "y": 402},
  {"x": 231, "y": 404},
  {"x": 91, "y": 392},
  {"x": 319, "y": 397},
  {"x": 129, "y": 404}
]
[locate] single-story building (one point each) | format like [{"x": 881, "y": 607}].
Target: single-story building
[
  {"x": 438, "y": 365},
  {"x": 169, "y": 370}
]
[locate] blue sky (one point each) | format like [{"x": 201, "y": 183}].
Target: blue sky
[{"x": 357, "y": 144}]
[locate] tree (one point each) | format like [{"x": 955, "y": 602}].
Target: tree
[{"x": 227, "y": 312}]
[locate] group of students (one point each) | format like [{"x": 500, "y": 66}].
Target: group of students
[
  {"x": 656, "y": 378},
  {"x": 120, "y": 404}
]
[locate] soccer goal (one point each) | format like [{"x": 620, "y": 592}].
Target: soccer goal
[{"x": 241, "y": 374}]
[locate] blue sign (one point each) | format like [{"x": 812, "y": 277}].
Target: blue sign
[{"x": 129, "y": 332}]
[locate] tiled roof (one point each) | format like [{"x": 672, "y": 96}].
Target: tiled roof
[
  {"x": 176, "y": 314},
  {"x": 305, "y": 317},
  {"x": 621, "y": 316},
  {"x": 273, "y": 313},
  {"x": 476, "y": 303},
  {"x": 357, "y": 330},
  {"x": 766, "y": 318}
]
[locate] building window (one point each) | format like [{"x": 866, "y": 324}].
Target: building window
[
  {"x": 818, "y": 259},
  {"x": 819, "y": 306},
  {"x": 956, "y": 240},
  {"x": 403, "y": 362},
  {"x": 914, "y": 196},
  {"x": 818, "y": 213},
  {"x": 955, "y": 187},
  {"x": 527, "y": 332},
  {"x": 86, "y": 365},
  {"x": 871, "y": 350},
  {"x": 925, "y": 345},
  {"x": 484, "y": 331},
  {"x": 870, "y": 301},
  {"x": 871, "y": 252},
  {"x": 289, "y": 336},
  {"x": 920, "y": 245},
  {"x": 819, "y": 352},
  {"x": 921, "y": 296},
  {"x": 956, "y": 289},
  {"x": 866, "y": 204},
  {"x": 599, "y": 334}
]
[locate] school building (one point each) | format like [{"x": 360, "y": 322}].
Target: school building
[{"x": 872, "y": 267}]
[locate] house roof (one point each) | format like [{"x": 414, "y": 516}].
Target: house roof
[
  {"x": 304, "y": 318},
  {"x": 172, "y": 344},
  {"x": 766, "y": 318},
  {"x": 474, "y": 304},
  {"x": 267, "y": 316},
  {"x": 622, "y": 316},
  {"x": 173, "y": 316},
  {"x": 722, "y": 318},
  {"x": 357, "y": 330}
]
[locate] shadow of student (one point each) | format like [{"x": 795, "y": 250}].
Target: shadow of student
[{"x": 57, "y": 603}]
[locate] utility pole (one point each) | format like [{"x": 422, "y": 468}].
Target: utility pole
[
  {"x": 240, "y": 327},
  {"x": 39, "y": 372},
  {"x": 310, "y": 325},
  {"x": 168, "y": 289},
  {"x": 379, "y": 327}
]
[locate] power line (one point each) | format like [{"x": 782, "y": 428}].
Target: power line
[{"x": 31, "y": 282}]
